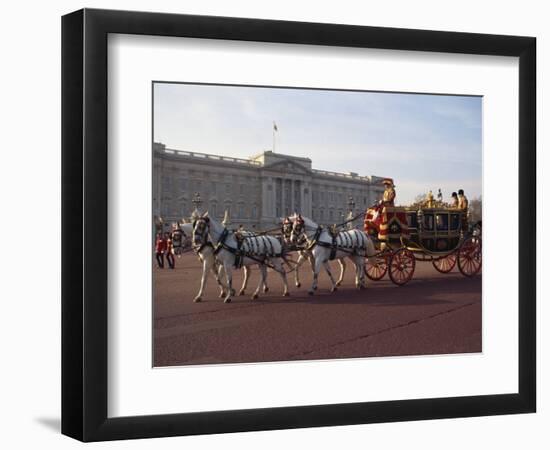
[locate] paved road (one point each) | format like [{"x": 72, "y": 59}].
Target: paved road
[{"x": 433, "y": 314}]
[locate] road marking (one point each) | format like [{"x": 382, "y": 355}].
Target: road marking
[{"x": 386, "y": 330}]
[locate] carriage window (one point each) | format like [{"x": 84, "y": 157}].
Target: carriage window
[
  {"x": 429, "y": 222},
  {"x": 442, "y": 221},
  {"x": 455, "y": 221}
]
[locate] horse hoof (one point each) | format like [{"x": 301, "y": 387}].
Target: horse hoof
[
  {"x": 241, "y": 292},
  {"x": 255, "y": 296},
  {"x": 222, "y": 294},
  {"x": 315, "y": 288},
  {"x": 339, "y": 283},
  {"x": 197, "y": 299},
  {"x": 311, "y": 292},
  {"x": 266, "y": 289},
  {"x": 298, "y": 284},
  {"x": 286, "y": 294},
  {"x": 334, "y": 289},
  {"x": 227, "y": 300}
]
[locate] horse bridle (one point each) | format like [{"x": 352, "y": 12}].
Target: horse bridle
[
  {"x": 200, "y": 228},
  {"x": 298, "y": 230},
  {"x": 286, "y": 230}
]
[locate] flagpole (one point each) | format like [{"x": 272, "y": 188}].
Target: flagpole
[{"x": 273, "y": 129}]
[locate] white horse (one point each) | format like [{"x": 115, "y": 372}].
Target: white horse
[
  {"x": 304, "y": 253},
  {"x": 206, "y": 255},
  {"x": 353, "y": 244},
  {"x": 250, "y": 248}
]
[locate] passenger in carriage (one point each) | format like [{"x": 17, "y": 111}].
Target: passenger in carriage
[
  {"x": 462, "y": 200},
  {"x": 454, "y": 200}
]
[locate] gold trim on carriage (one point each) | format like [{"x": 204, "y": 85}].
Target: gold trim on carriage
[{"x": 432, "y": 232}]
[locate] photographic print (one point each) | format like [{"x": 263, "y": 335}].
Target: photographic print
[{"x": 312, "y": 224}]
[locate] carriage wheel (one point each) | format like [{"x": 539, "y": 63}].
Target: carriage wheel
[
  {"x": 402, "y": 264},
  {"x": 469, "y": 256},
  {"x": 445, "y": 264},
  {"x": 376, "y": 268}
]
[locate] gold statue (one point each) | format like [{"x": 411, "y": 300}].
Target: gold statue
[{"x": 430, "y": 200}]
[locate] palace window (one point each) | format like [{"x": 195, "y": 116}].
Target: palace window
[{"x": 165, "y": 183}]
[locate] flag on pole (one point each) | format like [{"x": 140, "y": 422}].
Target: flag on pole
[{"x": 275, "y": 127}]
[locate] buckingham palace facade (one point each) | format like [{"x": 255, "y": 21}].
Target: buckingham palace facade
[{"x": 257, "y": 191}]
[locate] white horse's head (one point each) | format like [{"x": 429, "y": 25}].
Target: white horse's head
[
  {"x": 201, "y": 228},
  {"x": 298, "y": 233},
  {"x": 286, "y": 228}
]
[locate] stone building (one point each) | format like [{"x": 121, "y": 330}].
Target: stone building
[{"x": 256, "y": 191}]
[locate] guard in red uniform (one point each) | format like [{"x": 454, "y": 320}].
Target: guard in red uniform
[
  {"x": 169, "y": 251},
  {"x": 160, "y": 248}
]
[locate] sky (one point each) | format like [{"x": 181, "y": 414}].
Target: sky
[{"x": 424, "y": 142}]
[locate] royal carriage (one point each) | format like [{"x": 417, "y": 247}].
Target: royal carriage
[{"x": 405, "y": 235}]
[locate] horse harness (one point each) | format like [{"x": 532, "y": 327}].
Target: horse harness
[
  {"x": 333, "y": 245},
  {"x": 240, "y": 252}
]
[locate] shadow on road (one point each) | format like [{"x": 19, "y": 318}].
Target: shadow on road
[{"x": 380, "y": 294}]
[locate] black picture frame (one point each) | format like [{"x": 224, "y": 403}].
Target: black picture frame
[{"x": 84, "y": 224}]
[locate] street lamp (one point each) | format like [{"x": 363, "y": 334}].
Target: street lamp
[
  {"x": 351, "y": 207},
  {"x": 197, "y": 201},
  {"x": 351, "y": 204}
]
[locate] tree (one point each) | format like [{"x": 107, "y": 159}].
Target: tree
[{"x": 475, "y": 209}]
